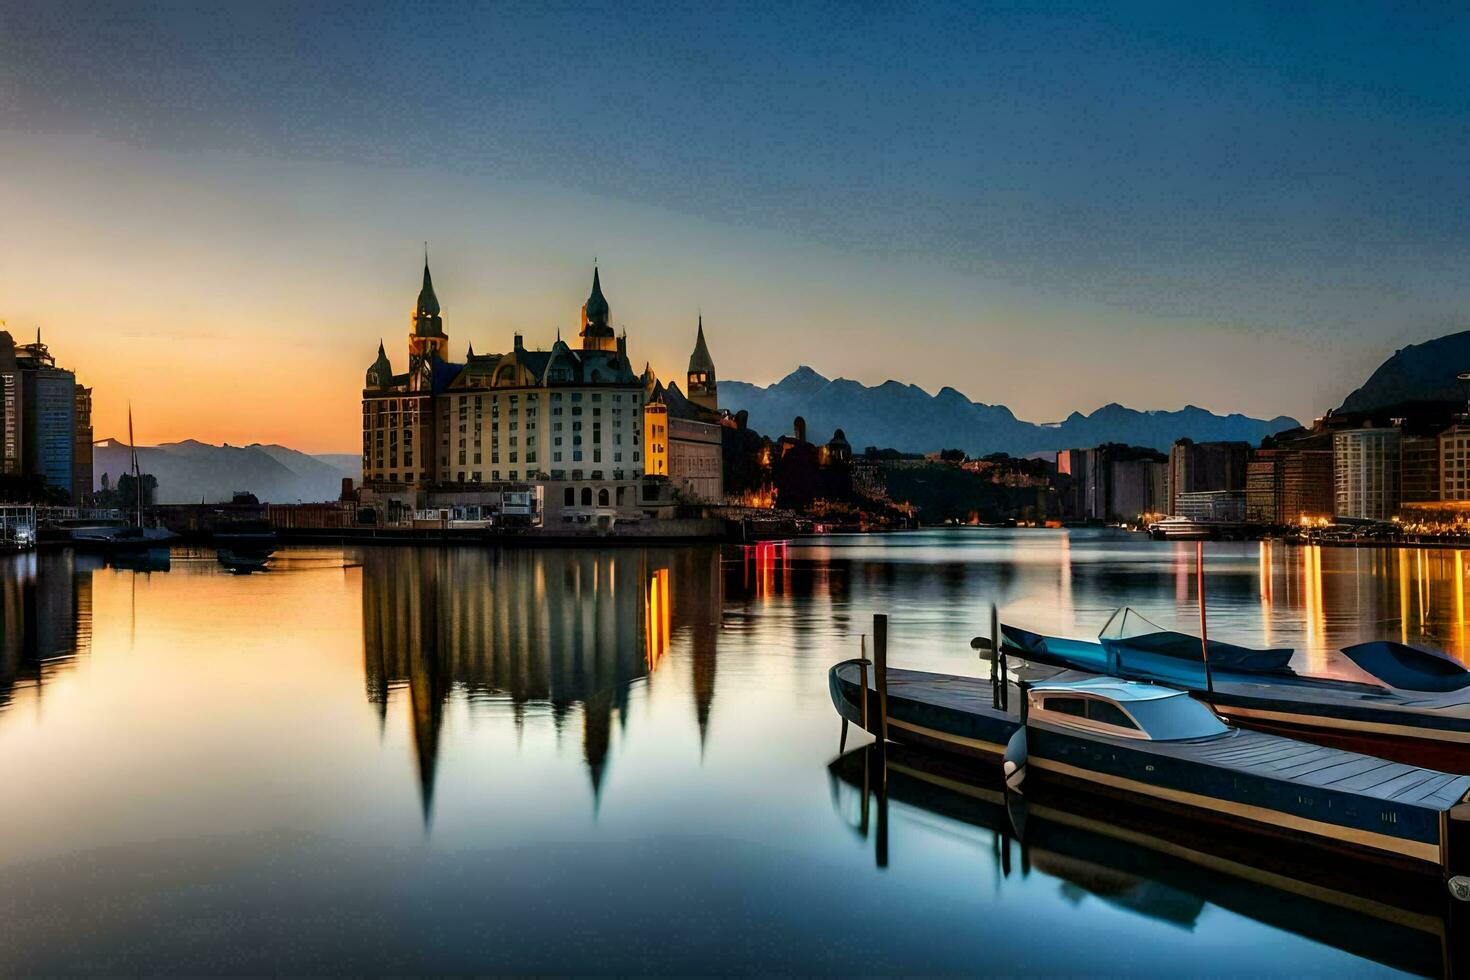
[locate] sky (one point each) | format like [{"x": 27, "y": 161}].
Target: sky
[{"x": 215, "y": 211}]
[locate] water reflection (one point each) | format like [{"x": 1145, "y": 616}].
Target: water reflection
[
  {"x": 305, "y": 771},
  {"x": 1146, "y": 867},
  {"x": 567, "y": 631},
  {"x": 45, "y": 616}
]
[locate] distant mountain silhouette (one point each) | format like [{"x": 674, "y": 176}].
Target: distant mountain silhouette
[
  {"x": 907, "y": 418},
  {"x": 1417, "y": 373},
  {"x": 191, "y": 471}
]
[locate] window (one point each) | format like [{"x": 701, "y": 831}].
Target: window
[
  {"x": 1067, "y": 706},
  {"x": 602, "y": 497},
  {"x": 1109, "y": 714},
  {"x": 568, "y": 496},
  {"x": 586, "y": 496}
]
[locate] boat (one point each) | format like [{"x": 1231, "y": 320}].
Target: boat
[
  {"x": 1146, "y": 864},
  {"x": 243, "y": 562},
  {"x": 1142, "y": 742},
  {"x": 141, "y": 559},
  {"x": 1414, "y": 701},
  {"x": 125, "y": 537}
]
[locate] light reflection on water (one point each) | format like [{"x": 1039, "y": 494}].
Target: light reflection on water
[{"x": 604, "y": 759}]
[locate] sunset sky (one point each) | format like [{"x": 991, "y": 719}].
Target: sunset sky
[{"x": 216, "y": 210}]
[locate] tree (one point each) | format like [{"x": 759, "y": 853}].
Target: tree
[
  {"x": 124, "y": 494},
  {"x": 952, "y": 455}
]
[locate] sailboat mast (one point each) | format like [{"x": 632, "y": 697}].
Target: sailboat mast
[{"x": 137, "y": 476}]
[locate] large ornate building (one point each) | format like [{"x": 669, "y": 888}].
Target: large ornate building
[{"x": 569, "y": 421}]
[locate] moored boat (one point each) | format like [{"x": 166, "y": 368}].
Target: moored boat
[
  {"x": 1144, "y": 742},
  {"x": 1415, "y": 703}
]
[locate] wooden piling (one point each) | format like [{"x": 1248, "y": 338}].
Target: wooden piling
[{"x": 880, "y": 673}]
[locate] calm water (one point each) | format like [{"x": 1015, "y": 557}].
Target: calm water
[{"x": 448, "y": 760}]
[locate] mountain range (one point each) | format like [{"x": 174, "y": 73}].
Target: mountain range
[
  {"x": 908, "y": 418},
  {"x": 189, "y": 472}
]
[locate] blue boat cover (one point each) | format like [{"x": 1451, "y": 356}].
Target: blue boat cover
[
  {"x": 1137, "y": 647},
  {"x": 1409, "y": 668}
]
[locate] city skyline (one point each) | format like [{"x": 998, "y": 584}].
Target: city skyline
[{"x": 227, "y": 222}]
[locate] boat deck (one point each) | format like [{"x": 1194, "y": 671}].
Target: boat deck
[{"x": 1314, "y": 765}]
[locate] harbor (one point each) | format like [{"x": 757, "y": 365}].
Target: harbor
[{"x": 585, "y": 712}]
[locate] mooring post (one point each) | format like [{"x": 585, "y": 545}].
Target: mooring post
[
  {"x": 880, "y": 672},
  {"x": 996, "y": 651}
]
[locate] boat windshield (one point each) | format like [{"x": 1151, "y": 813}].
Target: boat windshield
[{"x": 1127, "y": 623}]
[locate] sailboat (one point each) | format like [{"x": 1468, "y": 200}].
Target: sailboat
[{"x": 134, "y": 536}]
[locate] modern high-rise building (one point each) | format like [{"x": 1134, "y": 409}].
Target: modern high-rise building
[
  {"x": 1366, "y": 467},
  {"x": 81, "y": 459},
  {"x": 1453, "y": 454},
  {"x": 47, "y": 413},
  {"x": 12, "y": 420},
  {"x": 1112, "y": 482},
  {"x": 1419, "y": 468},
  {"x": 1198, "y": 467},
  {"x": 1289, "y": 484}
]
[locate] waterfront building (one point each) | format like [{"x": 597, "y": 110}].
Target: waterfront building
[
  {"x": 1196, "y": 467},
  {"x": 1138, "y": 487},
  {"x": 684, "y": 433},
  {"x": 81, "y": 459},
  {"x": 1112, "y": 482},
  {"x": 569, "y": 422},
  {"x": 1366, "y": 467},
  {"x": 1453, "y": 456},
  {"x": 1288, "y": 484},
  {"x": 1419, "y": 468},
  {"x": 11, "y": 406},
  {"x": 1211, "y": 505},
  {"x": 43, "y": 419}
]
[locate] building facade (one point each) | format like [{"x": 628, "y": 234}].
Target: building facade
[
  {"x": 1366, "y": 468},
  {"x": 572, "y": 421},
  {"x": 1419, "y": 467},
  {"x": 12, "y": 419},
  {"x": 81, "y": 458},
  {"x": 1289, "y": 485},
  {"x": 685, "y": 433},
  {"x": 44, "y": 419},
  {"x": 1453, "y": 455},
  {"x": 1197, "y": 467}
]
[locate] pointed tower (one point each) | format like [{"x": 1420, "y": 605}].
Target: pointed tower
[
  {"x": 701, "y": 390},
  {"x": 427, "y": 336},
  {"x": 597, "y": 331},
  {"x": 380, "y": 375}
]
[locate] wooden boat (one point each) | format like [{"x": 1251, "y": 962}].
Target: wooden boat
[
  {"x": 1145, "y": 742},
  {"x": 1147, "y": 864},
  {"x": 1417, "y": 701}
]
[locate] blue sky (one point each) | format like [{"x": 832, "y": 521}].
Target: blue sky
[{"x": 1049, "y": 206}]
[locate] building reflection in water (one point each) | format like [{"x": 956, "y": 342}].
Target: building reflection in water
[
  {"x": 569, "y": 630},
  {"x": 1346, "y": 595},
  {"x": 45, "y": 616}
]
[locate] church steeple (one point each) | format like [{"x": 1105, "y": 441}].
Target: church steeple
[
  {"x": 702, "y": 391},
  {"x": 597, "y": 331}
]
